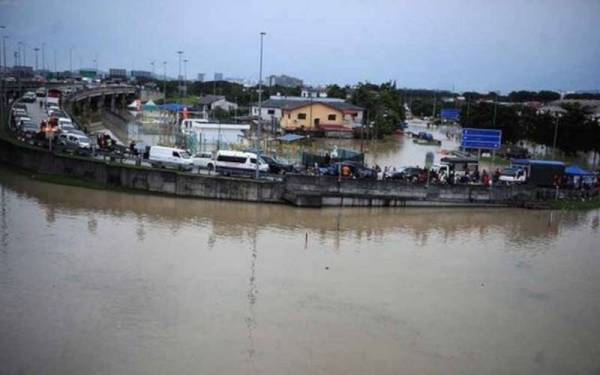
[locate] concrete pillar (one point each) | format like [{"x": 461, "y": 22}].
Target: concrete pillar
[
  {"x": 112, "y": 103},
  {"x": 123, "y": 101}
]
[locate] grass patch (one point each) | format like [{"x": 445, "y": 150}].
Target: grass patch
[
  {"x": 575, "y": 204},
  {"x": 494, "y": 161}
]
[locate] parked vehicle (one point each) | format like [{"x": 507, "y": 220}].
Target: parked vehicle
[
  {"x": 160, "y": 156},
  {"x": 541, "y": 172},
  {"x": 29, "y": 97},
  {"x": 202, "y": 159},
  {"x": 513, "y": 175},
  {"x": 41, "y": 92},
  {"x": 407, "y": 174},
  {"x": 28, "y": 130},
  {"x": 277, "y": 166},
  {"x": 357, "y": 170},
  {"x": 237, "y": 162},
  {"x": 74, "y": 140}
]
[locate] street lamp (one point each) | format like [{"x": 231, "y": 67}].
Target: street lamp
[
  {"x": 185, "y": 76},
  {"x": 557, "y": 116},
  {"x": 152, "y": 63},
  {"x": 262, "y": 34},
  {"x": 179, "y": 71},
  {"x": 36, "y": 49},
  {"x": 44, "y": 56},
  {"x": 165, "y": 80}
]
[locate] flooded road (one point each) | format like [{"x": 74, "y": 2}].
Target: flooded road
[{"x": 100, "y": 282}]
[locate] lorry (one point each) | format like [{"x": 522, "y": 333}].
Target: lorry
[{"x": 540, "y": 172}]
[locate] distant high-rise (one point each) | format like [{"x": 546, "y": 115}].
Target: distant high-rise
[
  {"x": 218, "y": 76},
  {"x": 284, "y": 80},
  {"x": 200, "y": 77}
]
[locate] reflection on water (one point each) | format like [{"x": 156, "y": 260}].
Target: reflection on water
[{"x": 104, "y": 282}]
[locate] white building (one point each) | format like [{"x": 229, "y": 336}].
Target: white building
[
  {"x": 210, "y": 135},
  {"x": 208, "y": 103}
]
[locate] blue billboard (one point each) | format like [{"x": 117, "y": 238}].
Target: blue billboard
[
  {"x": 488, "y": 139},
  {"x": 450, "y": 114}
]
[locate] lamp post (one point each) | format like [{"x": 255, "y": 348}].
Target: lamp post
[
  {"x": 3, "y": 66},
  {"x": 44, "y": 56},
  {"x": 179, "y": 71},
  {"x": 20, "y": 54},
  {"x": 36, "y": 49},
  {"x": 71, "y": 60},
  {"x": 185, "y": 76},
  {"x": 258, "y": 126},
  {"x": 152, "y": 64},
  {"x": 165, "y": 81},
  {"x": 556, "y": 118}
]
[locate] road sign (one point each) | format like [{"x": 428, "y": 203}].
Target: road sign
[
  {"x": 450, "y": 114},
  {"x": 489, "y": 139}
]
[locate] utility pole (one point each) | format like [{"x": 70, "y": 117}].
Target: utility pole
[
  {"x": 55, "y": 65},
  {"x": 36, "y": 49},
  {"x": 71, "y": 60},
  {"x": 258, "y": 127},
  {"x": 20, "y": 55},
  {"x": 179, "y": 72},
  {"x": 495, "y": 110},
  {"x": 185, "y": 76},
  {"x": 44, "y": 56},
  {"x": 165, "y": 81},
  {"x": 152, "y": 63},
  {"x": 2, "y": 73}
]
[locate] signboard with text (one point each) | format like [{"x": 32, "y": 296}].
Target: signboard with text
[{"x": 485, "y": 139}]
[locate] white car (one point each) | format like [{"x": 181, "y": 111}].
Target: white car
[
  {"x": 160, "y": 156},
  {"x": 202, "y": 159},
  {"x": 74, "y": 140},
  {"x": 236, "y": 162}
]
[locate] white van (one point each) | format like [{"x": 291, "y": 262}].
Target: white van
[
  {"x": 236, "y": 162},
  {"x": 160, "y": 156},
  {"x": 74, "y": 140}
]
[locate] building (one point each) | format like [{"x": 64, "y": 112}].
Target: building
[
  {"x": 213, "y": 136},
  {"x": 318, "y": 116},
  {"x": 218, "y": 76},
  {"x": 200, "y": 77},
  {"x": 141, "y": 75},
  {"x": 331, "y": 116},
  {"x": 284, "y": 80},
  {"x": 239, "y": 81},
  {"x": 22, "y": 71},
  {"x": 271, "y": 109},
  {"x": 209, "y": 103},
  {"x": 114, "y": 73}
]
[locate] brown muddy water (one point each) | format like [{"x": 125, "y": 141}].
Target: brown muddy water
[{"x": 100, "y": 282}]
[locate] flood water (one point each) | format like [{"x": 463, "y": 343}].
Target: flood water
[{"x": 100, "y": 282}]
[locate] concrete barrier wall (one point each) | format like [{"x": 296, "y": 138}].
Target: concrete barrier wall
[
  {"x": 399, "y": 191},
  {"x": 137, "y": 178},
  {"x": 312, "y": 191}
]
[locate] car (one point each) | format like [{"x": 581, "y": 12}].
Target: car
[
  {"x": 25, "y": 121},
  {"x": 202, "y": 159},
  {"x": 29, "y": 97},
  {"x": 407, "y": 174},
  {"x": 160, "y": 156},
  {"x": 229, "y": 162},
  {"x": 276, "y": 165},
  {"x": 357, "y": 170},
  {"x": 41, "y": 92},
  {"x": 74, "y": 140},
  {"x": 28, "y": 130},
  {"x": 513, "y": 175},
  {"x": 20, "y": 105},
  {"x": 19, "y": 112}
]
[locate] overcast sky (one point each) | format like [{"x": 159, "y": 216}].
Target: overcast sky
[{"x": 479, "y": 44}]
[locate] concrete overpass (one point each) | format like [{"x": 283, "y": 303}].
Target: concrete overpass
[{"x": 111, "y": 96}]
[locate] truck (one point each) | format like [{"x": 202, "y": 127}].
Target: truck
[{"x": 540, "y": 172}]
